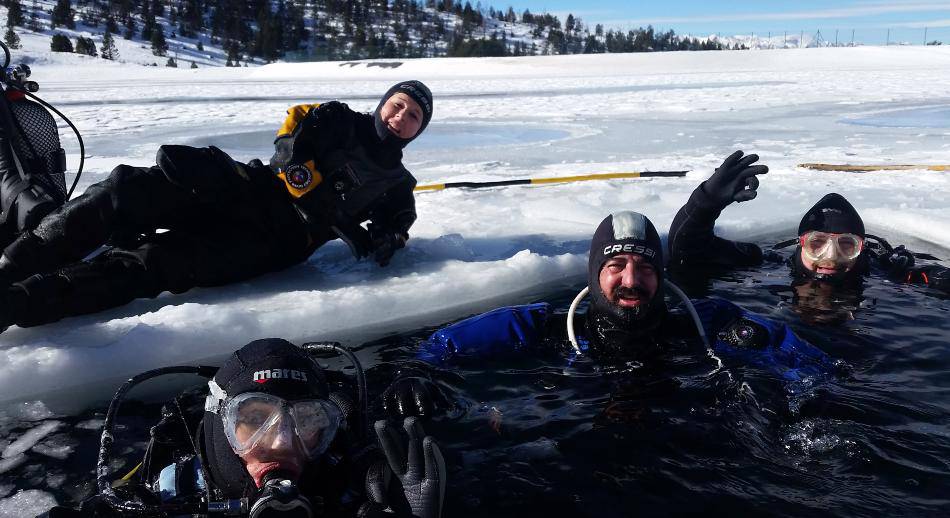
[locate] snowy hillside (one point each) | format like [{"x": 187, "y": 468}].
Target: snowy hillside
[{"x": 495, "y": 118}]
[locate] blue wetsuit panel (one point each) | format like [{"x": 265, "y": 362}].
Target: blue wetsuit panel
[
  {"x": 499, "y": 332},
  {"x": 784, "y": 354},
  {"x": 513, "y": 329}
]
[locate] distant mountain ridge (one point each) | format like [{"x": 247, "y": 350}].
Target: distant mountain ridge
[{"x": 239, "y": 32}]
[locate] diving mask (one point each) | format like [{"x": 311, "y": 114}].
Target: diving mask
[
  {"x": 818, "y": 246},
  {"x": 250, "y": 417}
]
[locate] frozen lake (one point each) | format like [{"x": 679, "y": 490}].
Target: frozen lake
[{"x": 496, "y": 119}]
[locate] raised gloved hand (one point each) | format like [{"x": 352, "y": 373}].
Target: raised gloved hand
[
  {"x": 418, "y": 466},
  {"x": 385, "y": 243},
  {"x": 734, "y": 180},
  {"x": 898, "y": 262},
  {"x": 325, "y": 128},
  {"x": 413, "y": 396}
]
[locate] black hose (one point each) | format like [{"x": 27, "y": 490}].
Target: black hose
[
  {"x": 6, "y": 55},
  {"x": 124, "y": 507},
  {"x": 362, "y": 392},
  {"x": 82, "y": 147}
]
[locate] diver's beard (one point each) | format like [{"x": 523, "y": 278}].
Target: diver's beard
[{"x": 621, "y": 332}]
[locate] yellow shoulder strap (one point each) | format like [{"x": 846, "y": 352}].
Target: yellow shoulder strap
[{"x": 294, "y": 115}]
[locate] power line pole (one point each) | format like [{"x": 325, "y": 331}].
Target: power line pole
[
  {"x": 836, "y": 37},
  {"x": 925, "y": 35},
  {"x": 888, "y": 44},
  {"x": 852, "y": 37},
  {"x": 801, "y": 39}
]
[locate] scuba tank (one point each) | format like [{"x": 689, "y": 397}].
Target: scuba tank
[{"x": 32, "y": 162}]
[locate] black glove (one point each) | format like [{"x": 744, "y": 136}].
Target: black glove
[
  {"x": 414, "y": 396},
  {"x": 419, "y": 467},
  {"x": 734, "y": 180},
  {"x": 324, "y": 128},
  {"x": 898, "y": 262},
  {"x": 333, "y": 112},
  {"x": 385, "y": 243},
  {"x": 356, "y": 237},
  {"x": 327, "y": 127}
]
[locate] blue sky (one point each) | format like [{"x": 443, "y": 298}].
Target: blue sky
[{"x": 870, "y": 19}]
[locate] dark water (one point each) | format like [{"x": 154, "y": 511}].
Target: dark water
[{"x": 538, "y": 436}]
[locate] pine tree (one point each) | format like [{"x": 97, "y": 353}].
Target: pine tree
[
  {"x": 34, "y": 23},
  {"x": 60, "y": 43},
  {"x": 63, "y": 15},
  {"x": 108, "y": 50},
  {"x": 129, "y": 28},
  {"x": 14, "y": 14},
  {"x": 171, "y": 62},
  {"x": 233, "y": 57},
  {"x": 85, "y": 46},
  {"x": 148, "y": 22},
  {"x": 159, "y": 45},
  {"x": 194, "y": 65},
  {"x": 11, "y": 39}
]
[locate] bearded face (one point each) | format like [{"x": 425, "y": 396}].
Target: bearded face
[{"x": 629, "y": 283}]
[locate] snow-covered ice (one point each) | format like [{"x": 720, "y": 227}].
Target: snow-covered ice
[
  {"x": 29, "y": 439},
  {"x": 30, "y": 502},
  {"x": 495, "y": 118}
]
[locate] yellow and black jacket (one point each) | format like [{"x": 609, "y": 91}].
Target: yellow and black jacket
[{"x": 338, "y": 172}]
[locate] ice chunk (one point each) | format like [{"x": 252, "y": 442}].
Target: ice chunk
[
  {"x": 91, "y": 424},
  {"x": 12, "y": 462},
  {"x": 57, "y": 446},
  {"x": 55, "y": 481},
  {"x": 30, "y": 502},
  {"x": 30, "y": 411},
  {"x": 30, "y": 438}
]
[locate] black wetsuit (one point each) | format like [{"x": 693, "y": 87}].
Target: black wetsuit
[
  {"x": 692, "y": 243},
  {"x": 198, "y": 218}
]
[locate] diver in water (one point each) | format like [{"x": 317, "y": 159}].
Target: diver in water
[
  {"x": 223, "y": 221},
  {"x": 628, "y": 320},
  {"x": 273, "y": 438},
  {"x": 833, "y": 255}
]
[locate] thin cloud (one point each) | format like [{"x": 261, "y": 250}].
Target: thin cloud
[
  {"x": 843, "y": 12},
  {"x": 927, "y": 24}
]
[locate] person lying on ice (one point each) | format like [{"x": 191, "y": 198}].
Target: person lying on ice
[
  {"x": 226, "y": 222},
  {"x": 628, "y": 320},
  {"x": 833, "y": 253},
  {"x": 276, "y": 436}
]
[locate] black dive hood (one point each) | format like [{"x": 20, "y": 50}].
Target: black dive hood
[
  {"x": 236, "y": 376},
  {"x": 832, "y": 214},
  {"x": 614, "y": 330},
  {"x": 419, "y": 93}
]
